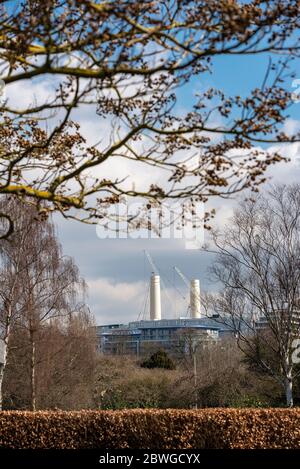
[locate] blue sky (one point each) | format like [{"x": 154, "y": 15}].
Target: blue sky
[{"x": 116, "y": 270}]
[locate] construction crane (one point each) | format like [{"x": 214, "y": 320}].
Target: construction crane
[
  {"x": 183, "y": 277},
  {"x": 151, "y": 262},
  {"x": 194, "y": 288},
  {"x": 186, "y": 282},
  {"x": 142, "y": 314}
]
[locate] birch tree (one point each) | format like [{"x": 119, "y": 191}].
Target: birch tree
[
  {"x": 12, "y": 268},
  {"x": 40, "y": 283},
  {"x": 258, "y": 266}
]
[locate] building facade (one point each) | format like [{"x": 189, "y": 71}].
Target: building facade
[{"x": 173, "y": 335}]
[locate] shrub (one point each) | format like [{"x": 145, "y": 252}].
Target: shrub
[
  {"x": 249, "y": 401},
  {"x": 159, "y": 359},
  {"x": 152, "y": 429}
]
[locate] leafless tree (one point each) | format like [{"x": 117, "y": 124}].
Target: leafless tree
[
  {"x": 12, "y": 268},
  {"x": 258, "y": 266},
  {"x": 66, "y": 358},
  {"x": 126, "y": 60},
  {"x": 41, "y": 284},
  {"x": 66, "y": 363}
]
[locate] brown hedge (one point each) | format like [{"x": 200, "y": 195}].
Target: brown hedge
[{"x": 152, "y": 429}]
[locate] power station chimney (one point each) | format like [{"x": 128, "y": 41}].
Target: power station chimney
[
  {"x": 155, "y": 302},
  {"x": 195, "y": 299}
]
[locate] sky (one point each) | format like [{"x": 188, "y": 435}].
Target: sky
[{"x": 116, "y": 270}]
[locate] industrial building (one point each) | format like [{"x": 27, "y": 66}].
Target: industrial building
[
  {"x": 284, "y": 318},
  {"x": 173, "y": 335}
]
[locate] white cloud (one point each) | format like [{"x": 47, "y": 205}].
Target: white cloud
[
  {"x": 117, "y": 302},
  {"x": 112, "y": 302},
  {"x": 291, "y": 126},
  {"x": 26, "y": 93}
]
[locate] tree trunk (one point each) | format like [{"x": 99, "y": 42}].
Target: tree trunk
[
  {"x": 2, "y": 366},
  {"x": 1, "y": 381},
  {"x": 289, "y": 390},
  {"x": 4, "y": 353},
  {"x": 32, "y": 372},
  {"x": 2, "y": 370}
]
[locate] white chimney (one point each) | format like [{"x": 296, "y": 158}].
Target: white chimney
[
  {"x": 155, "y": 302},
  {"x": 195, "y": 299}
]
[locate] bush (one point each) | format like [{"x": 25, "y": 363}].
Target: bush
[
  {"x": 121, "y": 383},
  {"x": 249, "y": 401},
  {"x": 159, "y": 359},
  {"x": 152, "y": 429}
]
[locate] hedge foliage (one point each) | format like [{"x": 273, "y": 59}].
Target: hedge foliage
[{"x": 152, "y": 429}]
